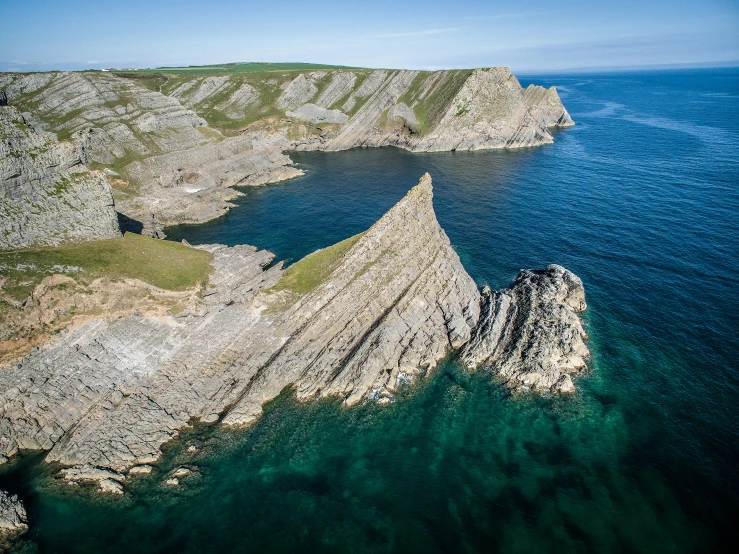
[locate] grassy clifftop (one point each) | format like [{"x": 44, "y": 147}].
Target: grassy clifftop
[{"x": 164, "y": 264}]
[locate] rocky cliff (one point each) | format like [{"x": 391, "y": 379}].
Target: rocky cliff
[
  {"x": 174, "y": 145},
  {"x": 355, "y": 321},
  {"x": 47, "y": 194},
  {"x": 165, "y": 163},
  {"x": 392, "y": 306}
]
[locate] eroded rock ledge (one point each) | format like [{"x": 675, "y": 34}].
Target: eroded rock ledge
[{"x": 388, "y": 306}]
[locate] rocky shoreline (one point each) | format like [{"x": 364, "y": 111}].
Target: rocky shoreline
[
  {"x": 354, "y": 321},
  {"x": 168, "y": 165}
]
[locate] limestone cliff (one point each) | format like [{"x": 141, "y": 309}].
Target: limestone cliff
[
  {"x": 166, "y": 164},
  {"x": 173, "y": 151},
  {"x": 355, "y": 321},
  {"x": 489, "y": 110},
  {"x": 395, "y": 303},
  {"x": 47, "y": 195}
]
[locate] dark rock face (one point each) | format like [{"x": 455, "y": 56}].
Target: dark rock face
[{"x": 13, "y": 521}]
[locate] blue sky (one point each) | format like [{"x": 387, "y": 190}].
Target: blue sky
[{"x": 429, "y": 34}]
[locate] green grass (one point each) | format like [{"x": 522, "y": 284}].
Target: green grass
[
  {"x": 164, "y": 264},
  {"x": 304, "y": 276},
  {"x": 431, "y": 109},
  {"x": 147, "y": 79},
  {"x": 244, "y": 68}
]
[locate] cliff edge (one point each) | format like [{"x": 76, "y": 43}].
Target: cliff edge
[
  {"x": 174, "y": 144},
  {"x": 47, "y": 194},
  {"x": 355, "y": 321}
]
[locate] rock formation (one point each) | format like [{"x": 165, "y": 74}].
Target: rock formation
[
  {"x": 530, "y": 335},
  {"x": 489, "y": 110},
  {"x": 354, "y": 321},
  {"x": 395, "y": 303},
  {"x": 130, "y": 130},
  {"x": 546, "y": 103},
  {"x": 13, "y": 520},
  {"x": 47, "y": 195},
  {"x": 174, "y": 151}
]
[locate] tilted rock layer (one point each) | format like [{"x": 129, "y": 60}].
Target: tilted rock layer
[
  {"x": 530, "y": 334},
  {"x": 47, "y": 195},
  {"x": 174, "y": 152},
  {"x": 395, "y": 303},
  {"x": 104, "y": 397}
]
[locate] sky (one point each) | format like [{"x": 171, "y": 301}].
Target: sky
[{"x": 526, "y": 35}]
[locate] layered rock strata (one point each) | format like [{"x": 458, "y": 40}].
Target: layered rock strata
[
  {"x": 388, "y": 305},
  {"x": 392, "y": 307},
  {"x": 47, "y": 195},
  {"x": 546, "y": 104},
  {"x": 172, "y": 158},
  {"x": 529, "y": 334},
  {"x": 488, "y": 111},
  {"x": 166, "y": 163}
]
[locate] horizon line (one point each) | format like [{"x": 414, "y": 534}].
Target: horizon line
[{"x": 578, "y": 69}]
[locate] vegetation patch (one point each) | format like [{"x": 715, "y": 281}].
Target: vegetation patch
[
  {"x": 147, "y": 79},
  {"x": 437, "y": 98},
  {"x": 304, "y": 276},
  {"x": 249, "y": 67},
  {"x": 164, "y": 264}
]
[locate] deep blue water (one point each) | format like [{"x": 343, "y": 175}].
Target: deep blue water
[{"x": 641, "y": 200}]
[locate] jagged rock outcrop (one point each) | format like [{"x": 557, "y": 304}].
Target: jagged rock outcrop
[
  {"x": 529, "y": 334},
  {"x": 392, "y": 307},
  {"x": 356, "y": 320},
  {"x": 13, "y": 521},
  {"x": 546, "y": 103},
  {"x": 47, "y": 195}
]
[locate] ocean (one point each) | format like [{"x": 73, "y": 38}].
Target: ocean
[{"x": 641, "y": 200}]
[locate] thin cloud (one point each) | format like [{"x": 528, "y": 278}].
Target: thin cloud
[
  {"x": 423, "y": 33},
  {"x": 504, "y": 16}
]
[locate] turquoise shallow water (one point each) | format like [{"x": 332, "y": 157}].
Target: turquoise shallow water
[{"x": 641, "y": 200}]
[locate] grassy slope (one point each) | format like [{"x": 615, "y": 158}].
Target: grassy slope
[
  {"x": 164, "y": 264},
  {"x": 244, "y": 68},
  {"x": 267, "y": 83},
  {"x": 430, "y": 109},
  {"x": 304, "y": 276}
]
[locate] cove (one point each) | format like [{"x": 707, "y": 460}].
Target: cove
[{"x": 639, "y": 200}]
